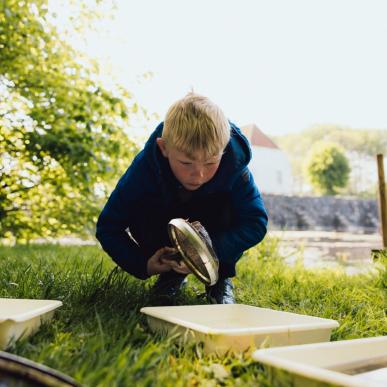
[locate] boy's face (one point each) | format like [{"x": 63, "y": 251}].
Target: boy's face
[{"x": 192, "y": 173}]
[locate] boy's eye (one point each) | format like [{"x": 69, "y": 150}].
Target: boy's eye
[{"x": 185, "y": 162}]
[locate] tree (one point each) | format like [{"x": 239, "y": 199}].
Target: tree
[
  {"x": 327, "y": 168},
  {"x": 62, "y": 138}
]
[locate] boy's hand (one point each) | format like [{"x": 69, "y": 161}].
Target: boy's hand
[
  {"x": 160, "y": 262},
  {"x": 176, "y": 264},
  {"x": 157, "y": 265},
  {"x": 180, "y": 267}
]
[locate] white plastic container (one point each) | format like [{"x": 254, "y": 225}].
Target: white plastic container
[
  {"x": 237, "y": 327},
  {"x": 20, "y": 317},
  {"x": 360, "y": 363}
]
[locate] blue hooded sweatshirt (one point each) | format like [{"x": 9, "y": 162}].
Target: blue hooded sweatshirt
[{"x": 146, "y": 198}]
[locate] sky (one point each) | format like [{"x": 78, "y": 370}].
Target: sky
[{"x": 283, "y": 65}]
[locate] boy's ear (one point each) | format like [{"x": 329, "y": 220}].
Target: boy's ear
[{"x": 162, "y": 146}]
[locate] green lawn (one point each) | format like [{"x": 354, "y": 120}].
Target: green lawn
[{"x": 99, "y": 337}]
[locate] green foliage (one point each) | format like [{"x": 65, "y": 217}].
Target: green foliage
[
  {"x": 327, "y": 168},
  {"x": 100, "y": 338},
  {"x": 62, "y": 139}
]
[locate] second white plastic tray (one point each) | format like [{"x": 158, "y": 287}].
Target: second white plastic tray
[{"x": 351, "y": 363}]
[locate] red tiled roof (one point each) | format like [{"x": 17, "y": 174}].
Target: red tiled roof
[{"x": 256, "y": 137}]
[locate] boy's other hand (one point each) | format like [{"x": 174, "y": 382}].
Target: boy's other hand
[
  {"x": 177, "y": 265},
  {"x": 156, "y": 263},
  {"x": 180, "y": 267}
]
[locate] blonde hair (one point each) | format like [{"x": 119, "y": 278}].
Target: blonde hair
[{"x": 195, "y": 124}]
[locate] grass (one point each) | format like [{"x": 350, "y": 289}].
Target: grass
[{"x": 99, "y": 337}]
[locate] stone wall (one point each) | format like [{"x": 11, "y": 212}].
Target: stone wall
[{"x": 327, "y": 213}]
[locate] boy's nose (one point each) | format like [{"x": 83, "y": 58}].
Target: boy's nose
[{"x": 199, "y": 172}]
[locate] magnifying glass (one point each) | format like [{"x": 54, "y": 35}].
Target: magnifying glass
[{"x": 194, "y": 247}]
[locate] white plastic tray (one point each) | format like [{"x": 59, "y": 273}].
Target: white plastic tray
[
  {"x": 237, "y": 327},
  {"x": 21, "y": 317},
  {"x": 359, "y": 362}
]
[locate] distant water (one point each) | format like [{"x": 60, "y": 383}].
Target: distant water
[{"x": 318, "y": 249}]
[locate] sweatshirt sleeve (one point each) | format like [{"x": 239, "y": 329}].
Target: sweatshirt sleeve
[
  {"x": 114, "y": 220},
  {"x": 250, "y": 222}
]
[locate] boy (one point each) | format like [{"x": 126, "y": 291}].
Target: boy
[{"x": 193, "y": 166}]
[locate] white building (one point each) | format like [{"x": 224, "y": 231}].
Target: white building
[{"x": 269, "y": 164}]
